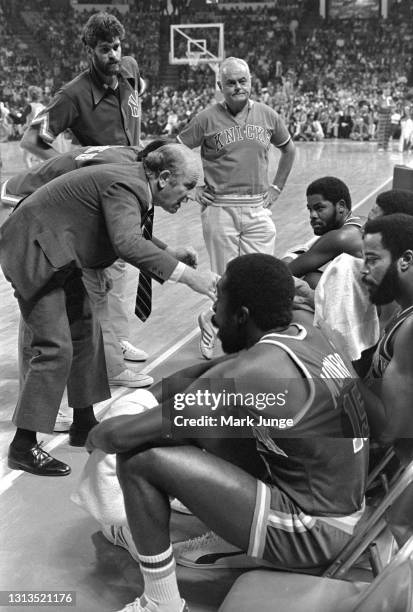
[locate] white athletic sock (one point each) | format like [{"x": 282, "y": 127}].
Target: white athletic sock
[{"x": 159, "y": 576}]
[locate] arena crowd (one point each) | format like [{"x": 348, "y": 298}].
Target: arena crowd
[{"x": 327, "y": 80}]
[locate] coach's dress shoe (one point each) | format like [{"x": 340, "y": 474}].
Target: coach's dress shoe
[
  {"x": 78, "y": 436},
  {"x": 36, "y": 461}
]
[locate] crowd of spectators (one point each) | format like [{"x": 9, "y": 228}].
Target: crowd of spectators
[
  {"x": 326, "y": 81},
  {"x": 63, "y": 30},
  {"x": 263, "y": 36},
  {"x": 18, "y": 68}
]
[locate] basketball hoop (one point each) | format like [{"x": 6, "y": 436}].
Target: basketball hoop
[{"x": 193, "y": 58}]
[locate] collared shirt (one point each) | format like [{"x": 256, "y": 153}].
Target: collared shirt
[{"x": 96, "y": 115}]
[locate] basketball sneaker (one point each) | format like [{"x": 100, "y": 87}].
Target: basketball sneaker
[
  {"x": 132, "y": 353},
  {"x": 178, "y": 506},
  {"x": 63, "y": 420},
  {"x": 210, "y": 551},
  {"x": 120, "y": 535},
  {"x": 141, "y": 604},
  {"x": 208, "y": 334},
  {"x": 130, "y": 378}
]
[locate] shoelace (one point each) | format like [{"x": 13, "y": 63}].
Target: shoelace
[
  {"x": 40, "y": 453},
  {"x": 141, "y": 604},
  {"x": 202, "y": 540},
  {"x": 40, "y": 449},
  {"x": 118, "y": 537},
  {"x": 127, "y": 346},
  {"x": 131, "y": 607}
]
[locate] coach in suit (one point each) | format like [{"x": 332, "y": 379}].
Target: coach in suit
[
  {"x": 84, "y": 219},
  {"x": 100, "y": 107}
]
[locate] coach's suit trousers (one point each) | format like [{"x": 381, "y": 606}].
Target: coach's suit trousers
[
  {"x": 66, "y": 349},
  {"x": 96, "y": 282}
]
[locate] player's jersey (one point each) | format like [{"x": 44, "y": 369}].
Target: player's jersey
[
  {"x": 323, "y": 468},
  {"x": 26, "y": 183},
  {"x": 234, "y": 154},
  {"x": 384, "y": 353},
  {"x": 354, "y": 220}
]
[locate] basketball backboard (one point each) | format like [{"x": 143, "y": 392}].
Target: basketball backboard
[{"x": 196, "y": 43}]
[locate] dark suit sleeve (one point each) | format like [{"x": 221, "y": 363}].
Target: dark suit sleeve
[
  {"x": 122, "y": 212},
  {"x": 159, "y": 243}
]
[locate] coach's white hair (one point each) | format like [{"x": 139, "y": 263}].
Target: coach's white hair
[
  {"x": 177, "y": 158},
  {"x": 232, "y": 61}
]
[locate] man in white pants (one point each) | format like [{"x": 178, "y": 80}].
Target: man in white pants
[{"x": 235, "y": 136}]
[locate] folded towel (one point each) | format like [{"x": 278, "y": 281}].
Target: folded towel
[
  {"x": 304, "y": 295},
  {"x": 98, "y": 491},
  {"x": 342, "y": 305}
]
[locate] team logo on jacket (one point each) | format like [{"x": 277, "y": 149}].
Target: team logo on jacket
[{"x": 133, "y": 102}]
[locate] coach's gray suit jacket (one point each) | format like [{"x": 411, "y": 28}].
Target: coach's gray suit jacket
[{"x": 86, "y": 219}]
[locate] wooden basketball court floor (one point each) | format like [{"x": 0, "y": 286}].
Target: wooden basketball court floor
[{"x": 48, "y": 543}]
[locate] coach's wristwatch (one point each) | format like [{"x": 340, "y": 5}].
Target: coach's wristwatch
[{"x": 276, "y": 188}]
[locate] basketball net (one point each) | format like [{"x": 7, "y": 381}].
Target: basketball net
[{"x": 193, "y": 58}]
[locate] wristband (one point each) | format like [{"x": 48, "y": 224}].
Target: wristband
[{"x": 277, "y": 188}]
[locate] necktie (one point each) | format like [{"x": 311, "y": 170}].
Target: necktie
[{"x": 143, "y": 304}]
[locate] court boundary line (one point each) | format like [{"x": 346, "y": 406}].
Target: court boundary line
[{"x": 7, "y": 480}]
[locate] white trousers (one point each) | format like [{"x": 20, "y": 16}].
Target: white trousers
[
  {"x": 110, "y": 308},
  {"x": 230, "y": 231}
]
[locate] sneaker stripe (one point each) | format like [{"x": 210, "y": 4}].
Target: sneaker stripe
[{"x": 212, "y": 558}]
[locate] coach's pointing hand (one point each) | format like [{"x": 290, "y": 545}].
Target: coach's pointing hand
[
  {"x": 201, "y": 282},
  {"x": 187, "y": 255}
]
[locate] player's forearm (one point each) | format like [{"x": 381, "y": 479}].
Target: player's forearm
[
  {"x": 36, "y": 146},
  {"x": 381, "y": 414},
  {"x": 297, "y": 268},
  {"x": 201, "y": 282},
  {"x": 303, "y": 264},
  {"x": 125, "y": 433},
  {"x": 376, "y": 414},
  {"x": 181, "y": 380},
  {"x": 284, "y": 165},
  {"x": 397, "y": 397}
]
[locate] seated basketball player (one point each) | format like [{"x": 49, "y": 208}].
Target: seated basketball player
[
  {"x": 275, "y": 494},
  {"x": 388, "y": 275},
  {"x": 329, "y": 205},
  {"x": 392, "y": 201},
  {"x": 342, "y": 301}
]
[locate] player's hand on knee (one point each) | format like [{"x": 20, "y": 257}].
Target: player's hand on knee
[
  {"x": 102, "y": 437},
  {"x": 304, "y": 291}
]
